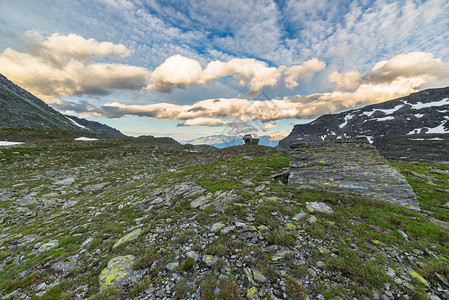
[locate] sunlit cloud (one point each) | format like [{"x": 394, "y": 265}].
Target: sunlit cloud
[
  {"x": 386, "y": 80},
  {"x": 58, "y": 65},
  {"x": 306, "y": 69},
  {"x": 179, "y": 71}
]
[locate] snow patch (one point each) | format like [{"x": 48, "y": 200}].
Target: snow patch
[
  {"x": 347, "y": 118},
  {"x": 419, "y": 116},
  {"x": 85, "y": 139},
  {"x": 391, "y": 110},
  {"x": 438, "y": 129},
  {"x": 432, "y": 139},
  {"x": 77, "y": 124},
  {"x": 414, "y": 131},
  {"x": 384, "y": 119},
  {"x": 420, "y": 105},
  {"x": 5, "y": 143},
  {"x": 385, "y": 111}
]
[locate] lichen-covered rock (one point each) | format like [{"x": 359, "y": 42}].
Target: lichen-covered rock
[
  {"x": 319, "y": 207},
  {"x": 117, "y": 272},
  {"x": 48, "y": 246},
  {"x": 259, "y": 276},
  {"x": 217, "y": 226},
  {"x": 199, "y": 202},
  {"x": 129, "y": 237},
  {"x": 417, "y": 276},
  {"x": 252, "y": 293},
  {"x": 350, "y": 166},
  {"x": 280, "y": 255},
  {"x": 210, "y": 259}
]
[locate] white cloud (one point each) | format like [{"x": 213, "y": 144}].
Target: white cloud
[
  {"x": 269, "y": 126},
  {"x": 387, "y": 80},
  {"x": 204, "y": 122},
  {"x": 399, "y": 76},
  {"x": 59, "y": 65},
  {"x": 276, "y": 137},
  {"x": 349, "y": 80},
  {"x": 306, "y": 69},
  {"x": 180, "y": 71}
]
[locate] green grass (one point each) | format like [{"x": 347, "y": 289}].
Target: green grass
[{"x": 349, "y": 234}]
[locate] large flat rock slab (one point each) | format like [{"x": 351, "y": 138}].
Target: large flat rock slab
[{"x": 351, "y": 166}]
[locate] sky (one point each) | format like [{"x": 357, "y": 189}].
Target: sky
[{"x": 188, "y": 69}]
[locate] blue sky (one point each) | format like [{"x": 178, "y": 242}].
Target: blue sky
[{"x": 193, "y": 68}]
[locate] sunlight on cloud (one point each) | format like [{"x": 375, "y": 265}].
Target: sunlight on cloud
[
  {"x": 350, "y": 80},
  {"x": 306, "y": 69},
  {"x": 387, "y": 80},
  {"x": 59, "y": 65},
  {"x": 204, "y": 122},
  {"x": 179, "y": 71}
]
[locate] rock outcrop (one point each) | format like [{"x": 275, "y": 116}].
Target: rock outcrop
[{"x": 351, "y": 166}]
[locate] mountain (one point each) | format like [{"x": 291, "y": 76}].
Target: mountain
[
  {"x": 95, "y": 127},
  {"x": 222, "y": 141},
  {"x": 425, "y": 112},
  {"x": 19, "y": 108}
]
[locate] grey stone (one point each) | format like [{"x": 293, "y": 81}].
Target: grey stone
[
  {"x": 258, "y": 276},
  {"x": 311, "y": 272},
  {"x": 281, "y": 254},
  {"x": 199, "y": 202},
  {"x": 48, "y": 246},
  {"x": 217, "y": 226},
  {"x": 247, "y": 182},
  {"x": 129, "y": 237},
  {"x": 67, "y": 181},
  {"x": 209, "y": 259},
  {"x": 349, "y": 166},
  {"x": 404, "y": 235},
  {"x": 391, "y": 272},
  {"x": 172, "y": 266},
  {"x": 193, "y": 254},
  {"x": 87, "y": 242},
  {"x": 227, "y": 229},
  {"x": 260, "y": 188},
  {"x": 299, "y": 216},
  {"x": 118, "y": 271},
  {"x": 319, "y": 207},
  {"x": 312, "y": 219}
]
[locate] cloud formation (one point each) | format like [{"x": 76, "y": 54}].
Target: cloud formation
[
  {"x": 180, "y": 71},
  {"x": 388, "y": 79},
  {"x": 211, "y": 122},
  {"x": 399, "y": 76},
  {"x": 306, "y": 69},
  {"x": 59, "y": 65}
]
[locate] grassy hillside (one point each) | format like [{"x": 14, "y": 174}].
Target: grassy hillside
[{"x": 213, "y": 225}]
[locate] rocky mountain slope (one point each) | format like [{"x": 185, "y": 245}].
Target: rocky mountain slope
[
  {"x": 425, "y": 112},
  {"x": 20, "y": 108},
  {"x": 119, "y": 219}
]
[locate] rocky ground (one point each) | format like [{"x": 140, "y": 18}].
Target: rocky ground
[{"x": 116, "y": 219}]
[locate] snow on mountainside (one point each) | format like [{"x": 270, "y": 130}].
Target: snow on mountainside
[{"x": 425, "y": 112}]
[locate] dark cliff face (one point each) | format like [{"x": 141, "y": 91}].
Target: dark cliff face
[
  {"x": 21, "y": 109},
  {"x": 419, "y": 113}
]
